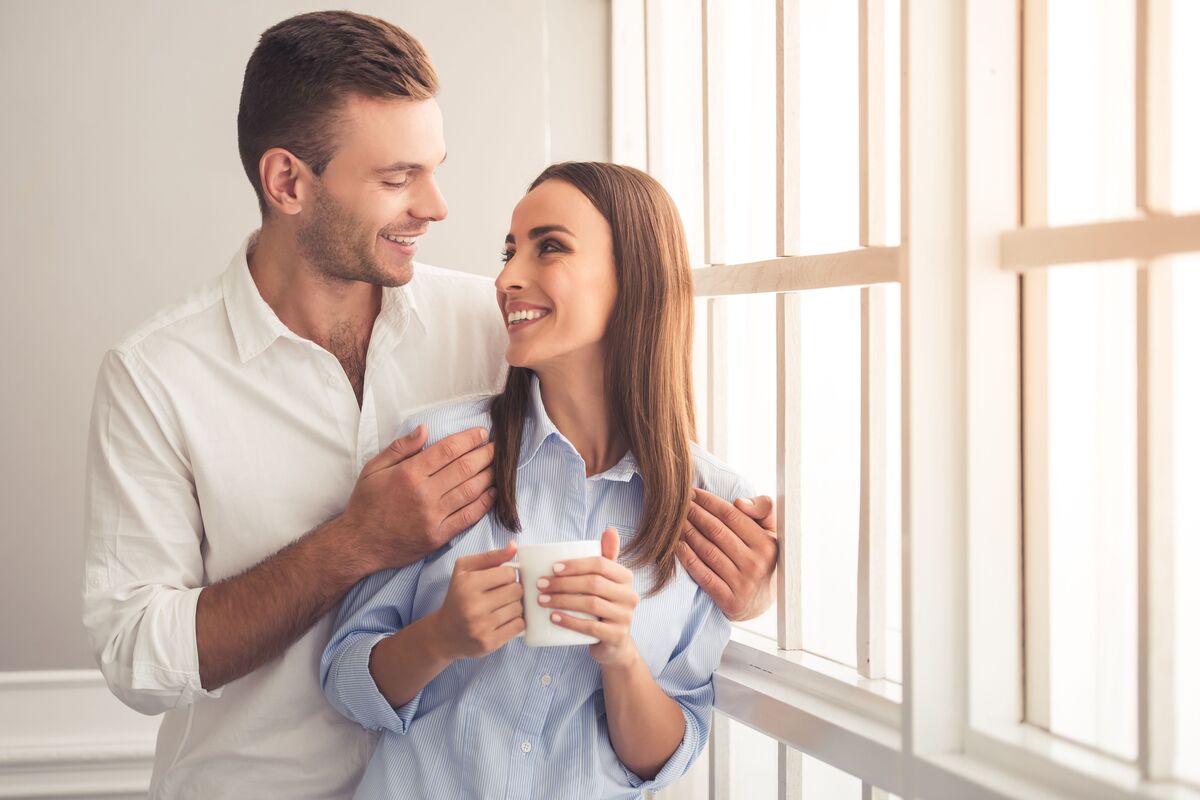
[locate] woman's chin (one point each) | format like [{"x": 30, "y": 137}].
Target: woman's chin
[{"x": 516, "y": 358}]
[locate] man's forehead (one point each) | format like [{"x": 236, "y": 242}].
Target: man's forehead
[{"x": 393, "y": 134}]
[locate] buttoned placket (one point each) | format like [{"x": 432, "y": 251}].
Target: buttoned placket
[
  {"x": 527, "y": 735},
  {"x": 550, "y": 660}
]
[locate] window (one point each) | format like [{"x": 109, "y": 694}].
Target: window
[{"x": 945, "y": 253}]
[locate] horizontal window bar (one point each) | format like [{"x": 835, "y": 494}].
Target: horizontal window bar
[
  {"x": 1143, "y": 239},
  {"x": 861, "y": 267}
]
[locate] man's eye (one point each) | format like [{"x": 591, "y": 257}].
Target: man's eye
[{"x": 392, "y": 185}]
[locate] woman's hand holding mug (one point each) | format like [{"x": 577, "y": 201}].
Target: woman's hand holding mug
[
  {"x": 482, "y": 610},
  {"x": 599, "y": 586}
]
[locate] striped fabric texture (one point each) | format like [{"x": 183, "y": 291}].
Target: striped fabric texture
[{"x": 523, "y": 722}]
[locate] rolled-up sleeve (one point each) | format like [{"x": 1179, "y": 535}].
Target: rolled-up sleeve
[
  {"x": 688, "y": 680},
  {"x": 144, "y": 569},
  {"x": 376, "y": 608}
]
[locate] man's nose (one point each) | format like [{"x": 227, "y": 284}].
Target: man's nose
[{"x": 431, "y": 205}]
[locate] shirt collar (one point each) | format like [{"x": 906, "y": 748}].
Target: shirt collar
[
  {"x": 539, "y": 427},
  {"x": 255, "y": 325}
]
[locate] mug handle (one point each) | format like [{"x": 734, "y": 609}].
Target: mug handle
[{"x": 516, "y": 565}]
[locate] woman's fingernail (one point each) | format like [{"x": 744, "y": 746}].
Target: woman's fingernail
[
  {"x": 543, "y": 598},
  {"x": 556, "y": 617},
  {"x": 543, "y": 583},
  {"x": 559, "y": 567}
]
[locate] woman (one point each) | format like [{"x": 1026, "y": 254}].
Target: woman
[{"x": 592, "y": 433}]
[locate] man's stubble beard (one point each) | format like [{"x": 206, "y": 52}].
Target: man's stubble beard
[{"x": 338, "y": 247}]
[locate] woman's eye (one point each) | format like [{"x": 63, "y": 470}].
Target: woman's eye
[
  {"x": 506, "y": 256},
  {"x": 549, "y": 243}
]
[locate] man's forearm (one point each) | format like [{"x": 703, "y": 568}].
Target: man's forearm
[
  {"x": 245, "y": 621},
  {"x": 645, "y": 725}
]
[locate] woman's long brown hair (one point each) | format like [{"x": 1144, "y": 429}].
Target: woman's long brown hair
[{"x": 648, "y": 365}]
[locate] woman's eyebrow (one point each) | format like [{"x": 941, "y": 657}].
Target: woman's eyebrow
[{"x": 542, "y": 230}]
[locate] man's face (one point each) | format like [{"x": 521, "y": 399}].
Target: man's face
[{"x": 377, "y": 194}]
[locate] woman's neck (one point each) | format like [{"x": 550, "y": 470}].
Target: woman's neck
[{"x": 576, "y": 400}]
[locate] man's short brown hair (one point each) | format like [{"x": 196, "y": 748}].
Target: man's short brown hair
[{"x": 306, "y": 67}]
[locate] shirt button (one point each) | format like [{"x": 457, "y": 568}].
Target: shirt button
[
  {"x": 546, "y": 680},
  {"x": 331, "y": 380},
  {"x": 526, "y": 747}
]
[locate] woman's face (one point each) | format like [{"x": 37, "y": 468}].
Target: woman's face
[{"x": 558, "y": 287}]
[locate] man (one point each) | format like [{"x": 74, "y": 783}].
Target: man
[{"x": 229, "y": 430}]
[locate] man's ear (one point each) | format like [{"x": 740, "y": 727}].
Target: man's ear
[{"x": 286, "y": 181}]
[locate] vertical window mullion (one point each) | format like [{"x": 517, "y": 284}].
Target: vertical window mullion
[
  {"x": 720, "y": 784},
  {"x": 713, "y": 92},
  {"x": 787, "y": 127},
  {"x": 791, "y": 775},
  {"x": 1034, "y": 361},
  {"x": 787, "y": 322},
  {"x": 872, "y": 545},
  {"x": 872, "y": 142},
  {"x": 933, "y": 143},
  {"x": 1156, "y": 580}
]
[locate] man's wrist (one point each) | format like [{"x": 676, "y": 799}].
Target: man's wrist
[{"x": 348, "y": 544}]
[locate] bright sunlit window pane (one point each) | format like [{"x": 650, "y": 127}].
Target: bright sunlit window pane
[
  {"x": 827, "y": 140},
  {"x": 753, "y": 764},
  {"x": 1090, "y": 76},
  {"x": 1187, "y": 515},
  {"x": 1092, "y": 451},
  {"x": 894, "y": 664},
  {"x": 749, "y": 129},
  {"x": 748, "y": 397},
  {"x": 1185, "y": 111},
  {"x": 891, "y": 47},
  {"x": 818, "y": 779},
  {"x": 830, "y": 421},
  {"x": 676, "y": 150},
  {"x": 1092, "y": 391}
]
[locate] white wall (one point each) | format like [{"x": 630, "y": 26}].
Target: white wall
[{"x": 122, "y": 189}]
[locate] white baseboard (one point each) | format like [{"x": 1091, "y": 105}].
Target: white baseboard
[{"x": 64, "y": 736}]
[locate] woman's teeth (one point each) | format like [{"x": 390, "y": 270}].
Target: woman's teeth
[{"x": 521, "y": 316}]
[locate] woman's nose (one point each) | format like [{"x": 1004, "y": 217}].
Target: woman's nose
[{"x": 510, "y": 278}]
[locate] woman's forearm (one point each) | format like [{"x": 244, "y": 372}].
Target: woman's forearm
[
  {"x": 645, "y": 725},
  {"x": 405, "y": 662}
]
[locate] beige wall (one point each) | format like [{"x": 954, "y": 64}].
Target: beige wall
[{"x": 122, "y": 189}]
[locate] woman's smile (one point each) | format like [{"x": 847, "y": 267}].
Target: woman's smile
[{"x": 521, "y": 315}]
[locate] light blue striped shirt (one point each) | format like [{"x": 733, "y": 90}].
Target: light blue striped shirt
[{"x": 524, "y": 722}]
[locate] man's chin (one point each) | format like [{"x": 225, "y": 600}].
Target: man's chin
[{"x": 399, "y": 275}]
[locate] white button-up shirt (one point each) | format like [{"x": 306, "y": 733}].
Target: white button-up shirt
[{"x": 218, "y": 436}]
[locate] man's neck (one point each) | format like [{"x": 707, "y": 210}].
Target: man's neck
[
  {"x": 310, "y": 304},
  {"x": 576, "y": 401}
]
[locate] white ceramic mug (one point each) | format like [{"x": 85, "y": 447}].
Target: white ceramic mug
[{"x": 537, "y": 561}]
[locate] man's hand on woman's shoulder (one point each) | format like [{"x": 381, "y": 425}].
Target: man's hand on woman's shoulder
[{"x": 730, "y": 551}]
